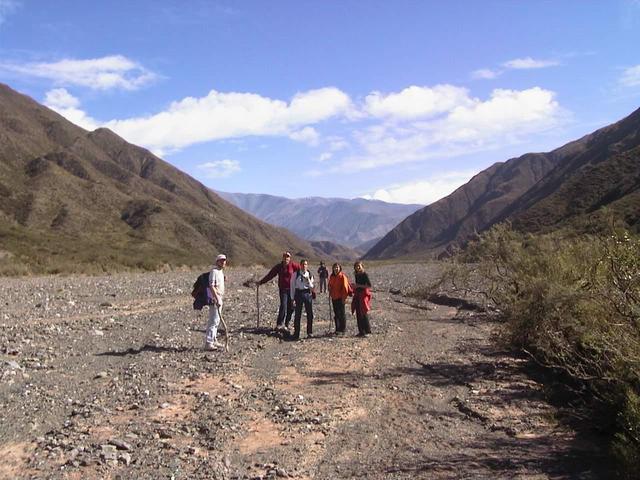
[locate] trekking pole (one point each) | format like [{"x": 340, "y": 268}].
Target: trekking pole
[
  {"x": 258, "y": 303},
  {"x": 330, "y": 313},
  {"x": 226, "y": 329}
]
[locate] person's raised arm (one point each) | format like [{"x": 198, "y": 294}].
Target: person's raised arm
[{"x": 272, "y": 273}]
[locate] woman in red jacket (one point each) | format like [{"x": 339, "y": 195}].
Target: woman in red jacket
[{"x": 361, "y": 303}]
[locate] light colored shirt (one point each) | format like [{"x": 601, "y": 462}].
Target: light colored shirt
[
  {"x": 301, "y": 281},
  {"x": 216, "y": 282}
]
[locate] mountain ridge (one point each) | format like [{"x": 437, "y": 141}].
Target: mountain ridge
[
  {"x": 518, "y": 190},
  {"x": 99, "y": 200},
  {"x": 349, "y": 222}
]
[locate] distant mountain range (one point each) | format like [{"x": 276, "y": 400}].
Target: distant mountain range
[
  {"x": 564, "y": 188},
  {"x": 357, "y": 223},
  {"x": 77, "y": 200}
]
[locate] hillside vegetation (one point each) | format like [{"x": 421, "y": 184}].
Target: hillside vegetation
[
  {"x": 78, "y": 201},
  {"x": 573, "y": 304}
]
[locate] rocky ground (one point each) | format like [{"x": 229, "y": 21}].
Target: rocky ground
[{"x": 105, "y": 377}]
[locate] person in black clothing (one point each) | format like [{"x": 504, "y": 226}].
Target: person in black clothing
[
  {"x": 361, "y": 303},
  {"x": 323, "y": 274}
]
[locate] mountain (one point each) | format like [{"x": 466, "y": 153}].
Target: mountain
[
  {"x": 77, "y": 200},
  {"x": 335, "y": 251},
  {"x": 338, "y": 220},
  {"x": 537, "y": 192},
  {"x": 606, "y": 174}
]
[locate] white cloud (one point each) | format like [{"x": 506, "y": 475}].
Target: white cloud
[
  {"x": 485, "y": 74},
  {"x": 307, "y": 135},
  {"x": 316, "y": 105},
  {"x": 336, "y": 143},
  {"x": 415, "y": 102},
  {"x": 528, "y": 63},
  {"x": 422, "y": 191},
  {"x": 219, "y": 168},
  {"x": 61, "y": 101},
  {"x": 61, "y": 98},
  {"x": 448, "y": 122},
  {"x": 217, "y": 116},
  {"x": 221, "y": 115},
  {"x": 472, "y": 126},
  {"x": 7, "y": 7},
  {"x": 631, "y": 76},
  {"x": 115, "y": 71},
  {"x": 506, "y": 110}
]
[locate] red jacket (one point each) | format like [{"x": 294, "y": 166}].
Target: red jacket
[
  {"x": 362, "y": 299},
  {"x": 284, "y": 272}
]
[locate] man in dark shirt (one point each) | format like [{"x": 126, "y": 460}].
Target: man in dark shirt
[
  {"x": 284, "y": 270},
  {"x": 323, "y": 273}
]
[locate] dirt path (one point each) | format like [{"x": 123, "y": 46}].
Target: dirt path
[{"x": 110, "y": 381}]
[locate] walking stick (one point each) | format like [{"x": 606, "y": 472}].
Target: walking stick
[
  {"x": 226, "y": 329},
  {"x": 258, "y": 303},
  {"x": 330, "y": 312}
]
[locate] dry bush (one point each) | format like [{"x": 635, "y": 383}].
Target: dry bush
[{"x": 573, "y": 304}]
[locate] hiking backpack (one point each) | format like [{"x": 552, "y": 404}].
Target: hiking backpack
[{"x": 200, "y": 292}]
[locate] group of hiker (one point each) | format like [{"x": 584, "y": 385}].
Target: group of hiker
[
  {"x": 296, "y": 287},
  {"x": 297, "y": 290}
]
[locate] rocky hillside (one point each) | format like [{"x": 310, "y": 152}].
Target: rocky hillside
[
  {"x": 351, "y": 222},
  {"x": 537, "y": 191},
  {"x": 72, "y": 200}
]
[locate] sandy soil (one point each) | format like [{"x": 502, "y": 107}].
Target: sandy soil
[{"x": 105, "y": 377}]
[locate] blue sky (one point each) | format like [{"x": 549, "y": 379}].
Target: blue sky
[{"x": 403, "y": 101}]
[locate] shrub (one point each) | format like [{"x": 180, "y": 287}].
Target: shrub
[{"x": 573, "y": 304}]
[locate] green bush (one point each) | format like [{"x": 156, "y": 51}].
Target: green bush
[{"x": 573, "y": 304}]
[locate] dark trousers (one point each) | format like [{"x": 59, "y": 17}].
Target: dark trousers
[
  {"x": 323, "y": 284},
  {"x": 303, "y": 297},
  {"x": 363, "y": 321},
  {"x": 285, "y": 311},
  {"x": 339, "y": 315}
]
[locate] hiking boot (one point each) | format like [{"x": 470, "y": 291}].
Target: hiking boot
[
  {"x": 210, "y": 346},
  {"x": 217, "y": 344}
]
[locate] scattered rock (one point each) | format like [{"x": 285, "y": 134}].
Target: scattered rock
[
  {"x": 120, "y": 444},
  {"x": 12, "y": 364}
]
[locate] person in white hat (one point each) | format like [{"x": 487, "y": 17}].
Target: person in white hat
[{"x": 216, "y": 284}]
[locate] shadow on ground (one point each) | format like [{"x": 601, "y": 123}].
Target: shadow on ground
[{"x": 144, "y": 349}]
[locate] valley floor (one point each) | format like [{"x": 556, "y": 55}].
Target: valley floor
[{"x": 105, "y": 377}]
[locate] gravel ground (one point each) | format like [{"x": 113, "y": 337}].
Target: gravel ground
[{"x": 106, "y": 377}]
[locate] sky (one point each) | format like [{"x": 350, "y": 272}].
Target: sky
[{"x": 402, "y": 101}]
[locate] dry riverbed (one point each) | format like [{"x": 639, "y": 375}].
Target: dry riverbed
[{"x": 105, "y": 377}]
